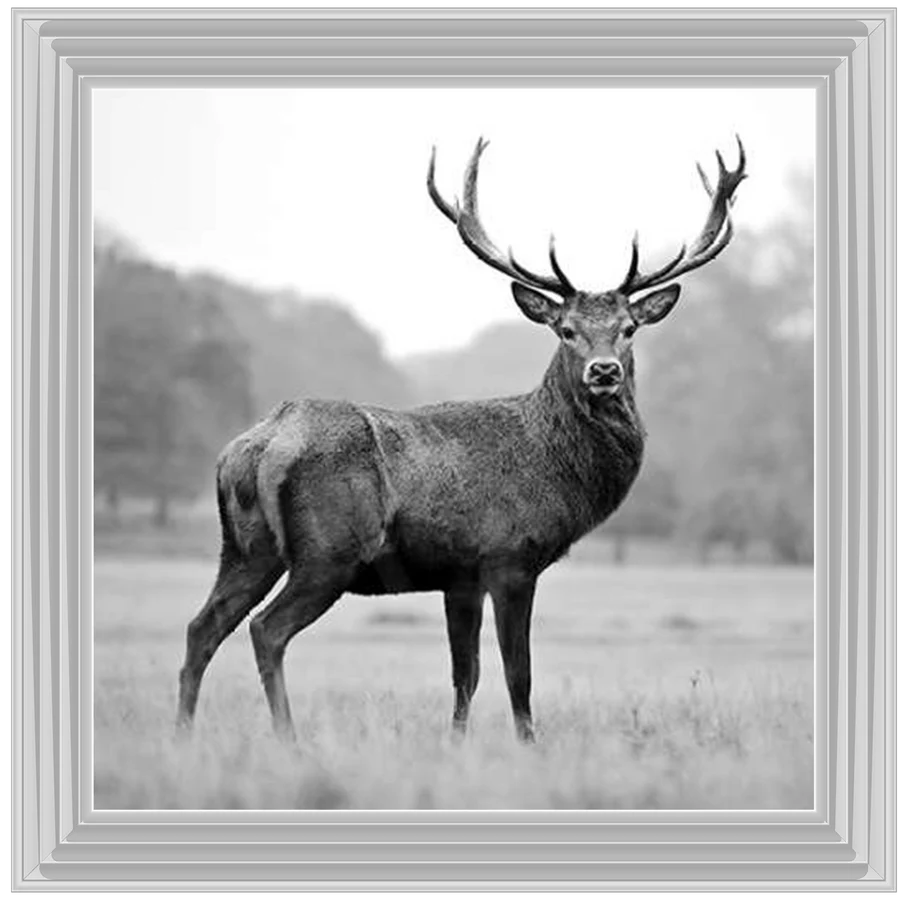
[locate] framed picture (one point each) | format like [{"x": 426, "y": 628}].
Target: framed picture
[{"x": 292, "y": 218}]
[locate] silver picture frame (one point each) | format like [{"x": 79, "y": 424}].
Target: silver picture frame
[{"x": 847, "y": 841}]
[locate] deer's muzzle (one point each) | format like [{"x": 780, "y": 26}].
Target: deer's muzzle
[{"x": 604, "y": 376}]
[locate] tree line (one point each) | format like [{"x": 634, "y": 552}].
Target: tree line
[
  {"x": 725, "y": 385},
  {"x": 183, "y": 363},
  {"x": 727, "y": 396}
]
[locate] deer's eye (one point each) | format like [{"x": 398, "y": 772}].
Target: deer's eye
[
  {"x": 628, "y": 331},
  {"x": 566, "y": 333}
]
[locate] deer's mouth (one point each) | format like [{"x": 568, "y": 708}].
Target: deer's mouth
[
  {"x": 604, "y": 388},
  {"x": 604, "y": 382}
]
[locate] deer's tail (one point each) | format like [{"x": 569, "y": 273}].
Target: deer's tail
[{"x": 244, "y": 526}]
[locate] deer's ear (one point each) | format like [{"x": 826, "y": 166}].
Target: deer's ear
[
  {"x": 654, "y": 307},
  {"x": 535, "y": 305}
]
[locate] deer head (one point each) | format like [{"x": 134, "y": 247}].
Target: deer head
[{"x": 596, "y": 329}]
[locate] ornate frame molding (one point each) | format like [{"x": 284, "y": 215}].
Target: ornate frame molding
[{"x": 849, "y": 58}]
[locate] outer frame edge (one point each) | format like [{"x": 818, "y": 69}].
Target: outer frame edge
[{"x": 26, "y": 27}]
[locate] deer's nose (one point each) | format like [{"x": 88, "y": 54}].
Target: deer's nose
[{"x": 603, "y": 372}]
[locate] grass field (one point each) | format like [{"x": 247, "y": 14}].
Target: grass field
[{"x": 654, "y": 687}]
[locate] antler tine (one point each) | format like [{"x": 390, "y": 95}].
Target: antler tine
[
  {"x": 561, "y": 285},
  {"x": 742, "y": 156},
  {"x": 557, "y": 269},
  {"x": 636, "y": 282},
  {"x": 706, "y": 185},
  {"x": 721, "y": 201},
  {"x": 451, "y": 212},
  {"x": 715, "y": 235},
  {"x": 633, "y": 265},
  {"x": 723, "y": 169},
  {"x": 474, "y": 236}
]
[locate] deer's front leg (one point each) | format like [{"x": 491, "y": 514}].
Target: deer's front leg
[
  {"x": 513, "y": 600},
  {"x": 463, "y": 608}
]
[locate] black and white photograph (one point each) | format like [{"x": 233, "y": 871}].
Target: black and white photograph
[{"x": 453, "y": 448}]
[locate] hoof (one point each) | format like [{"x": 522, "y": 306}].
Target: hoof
[
  {"x": 184, "y": 728},
  {"x": 458, "y": 730},
  {"x": 525, "y": 732}
]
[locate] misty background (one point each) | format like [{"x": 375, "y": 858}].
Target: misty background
[
  {"x": 257, "y": 245},
  {"x": 252, "y": 246}
]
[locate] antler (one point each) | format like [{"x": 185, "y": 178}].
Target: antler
[
  {"x": 470, "y": 229},
  {"x": 712, "y": 239}
]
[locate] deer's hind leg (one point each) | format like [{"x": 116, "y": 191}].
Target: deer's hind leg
[
  {"x": 332, "y": 521},
  {"x": 306, "y": 596},
  {"x": 241, "y": 584}
]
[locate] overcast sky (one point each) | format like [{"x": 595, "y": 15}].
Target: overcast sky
[{"x": 323, "y": 190}]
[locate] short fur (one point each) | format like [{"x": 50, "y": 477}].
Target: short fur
[{"x": 426, "y": 499}]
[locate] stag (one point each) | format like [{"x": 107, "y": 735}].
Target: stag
[{"x": 465, "y": 498}]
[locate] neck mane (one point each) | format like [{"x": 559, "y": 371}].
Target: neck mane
[{"x": 596, "y": 443}]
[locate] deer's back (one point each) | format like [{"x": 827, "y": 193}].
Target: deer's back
[{"x": 414, "y": 500}]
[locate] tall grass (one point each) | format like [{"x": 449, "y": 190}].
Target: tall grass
[{"x": 652, "y": 690}]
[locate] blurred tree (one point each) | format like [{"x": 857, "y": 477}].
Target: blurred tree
[
  {"x": 183, "y": 363},
  {"x": 650, "y": 510},
  {"x": 301, "y": 347},
  {"x": 110, "y": 246},
  {"x": 729, "y": 388},
  {"x": 505, "y": 358},
  {"x": 170, "y": 383}
]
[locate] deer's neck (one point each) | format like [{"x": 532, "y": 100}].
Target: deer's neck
[{"x": 596, "y": 443}]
